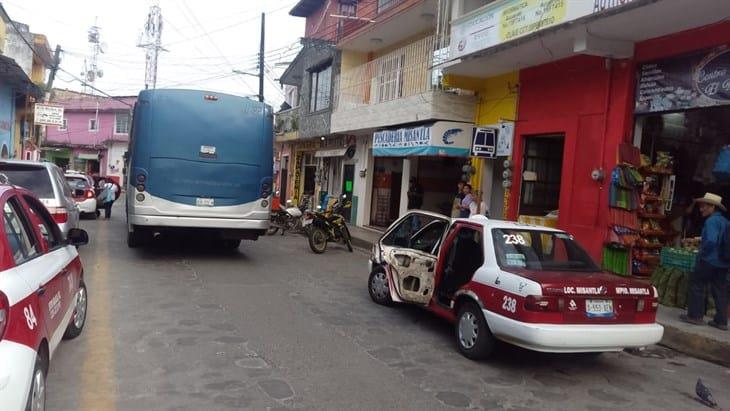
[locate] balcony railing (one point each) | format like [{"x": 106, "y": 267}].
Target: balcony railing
[{"x": 404, "y": 72}]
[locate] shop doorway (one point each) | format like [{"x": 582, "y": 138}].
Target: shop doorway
[
  {"x": 386, "y": 190},
  {"x": 348, "y": 180},
  {"x": 686, "y": 144},
  {"x": 542, "y": 165}
]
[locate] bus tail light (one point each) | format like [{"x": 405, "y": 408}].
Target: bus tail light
[
  {"x": 141, "y": 178},
  {"x": 4, "y": 314},
  {"x": 140, "y": 188},
  {"x": 544, "y": 303}
]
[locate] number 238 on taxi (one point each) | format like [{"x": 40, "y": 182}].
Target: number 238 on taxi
[
  {"x": 42, "y": 296},
  {"x": 530, "y": 286}
]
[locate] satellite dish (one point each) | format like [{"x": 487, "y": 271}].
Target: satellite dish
[
  {"x": 100, "y": 73},
  {"x": 103, "y": 46}
]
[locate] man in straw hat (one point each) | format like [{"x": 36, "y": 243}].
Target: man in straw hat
[{"x": 711, "y": 268}]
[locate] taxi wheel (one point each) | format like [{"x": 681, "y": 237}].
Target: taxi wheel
[
  {"x": 473, "y": 336},
  {"x": 37, "y": 394},
  {"x": 79, "y": 317},
  {"x": 378, "y": 287}
]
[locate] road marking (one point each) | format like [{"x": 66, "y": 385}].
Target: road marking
[{"x": 99, "y": 387}]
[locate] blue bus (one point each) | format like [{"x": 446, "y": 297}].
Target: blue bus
[{"x": 199, "y": 161}]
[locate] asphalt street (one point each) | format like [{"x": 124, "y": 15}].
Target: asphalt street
[{"x": 184, "y": 326}]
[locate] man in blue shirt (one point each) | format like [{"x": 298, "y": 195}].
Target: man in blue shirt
[{"x": 710, "y": 268}]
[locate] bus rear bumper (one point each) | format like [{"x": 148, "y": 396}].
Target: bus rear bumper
[{"x": 199, "y": 222}]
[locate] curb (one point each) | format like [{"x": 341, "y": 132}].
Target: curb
[
  {"x": 362, "y": 244},
  {"x": 697, "y": 346}
]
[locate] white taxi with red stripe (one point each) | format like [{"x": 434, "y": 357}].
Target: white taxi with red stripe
[
  {"x": 42, "y": 295},
  {"x": 530, "y": 286}
]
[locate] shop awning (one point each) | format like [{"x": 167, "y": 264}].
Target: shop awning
[
  {"x": 442, "y": 138},
  {"x": 88, "y": 156},
  {"x": 335, "y": 152}
]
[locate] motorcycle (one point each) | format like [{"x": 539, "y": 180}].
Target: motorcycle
[
  {"x": 328, "y": 226},
  {"x": 289, "y": 219}
]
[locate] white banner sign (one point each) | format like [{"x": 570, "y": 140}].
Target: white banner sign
[
  {"x": 502, "y": 21},
  {"x": 48, "y": 115}
]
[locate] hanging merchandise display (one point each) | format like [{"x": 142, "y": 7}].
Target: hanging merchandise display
[{"x": 721, "y": 169}]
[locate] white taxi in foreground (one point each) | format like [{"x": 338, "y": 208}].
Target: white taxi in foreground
[
  {"x": 42, "y": 296},
  {"x": 530, "y": 286}
]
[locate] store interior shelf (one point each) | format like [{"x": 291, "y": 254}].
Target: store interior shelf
[
  {"x": 656, "y": 171},
  {"x": 652, "y": 216}
]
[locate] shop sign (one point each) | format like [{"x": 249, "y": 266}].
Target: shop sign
[
  {"x": 48, "y": 115},
  {"x": 502, "y": 21},
  {"x": 700, "y": 79},
  {"x": 505, "y": 137},
  {"x": 442, "y": 138}
]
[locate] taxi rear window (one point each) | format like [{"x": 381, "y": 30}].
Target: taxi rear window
[
  {"x": 540, "y": 250},
  {"x": 33, "y": 178}
]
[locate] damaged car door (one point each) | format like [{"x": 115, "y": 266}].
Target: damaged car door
[{"x": 411, "y": 260}]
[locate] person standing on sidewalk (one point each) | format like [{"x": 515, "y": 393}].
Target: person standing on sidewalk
[
  {"x": 466, "y": 202},
  {"x": 710, "y": 268}
]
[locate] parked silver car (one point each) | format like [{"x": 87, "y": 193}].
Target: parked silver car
[{"x": 45, "y": 180}]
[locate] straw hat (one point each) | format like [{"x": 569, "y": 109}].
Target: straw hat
[{"x": 712, "y": 199}]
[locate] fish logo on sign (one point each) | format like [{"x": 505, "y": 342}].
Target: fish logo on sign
[{"x": 448, "y": 134}]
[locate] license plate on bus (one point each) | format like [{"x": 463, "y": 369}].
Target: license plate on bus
[
  {"x": 599, "y": 308},
  {"x": 204, "y": 202}
]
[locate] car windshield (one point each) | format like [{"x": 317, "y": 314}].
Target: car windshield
[
  {"x": 33, "y": 178},
  {"x": 540, "y": 250}
]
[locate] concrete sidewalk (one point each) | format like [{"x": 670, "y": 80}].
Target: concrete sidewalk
[{"x": 700, "y": 341}]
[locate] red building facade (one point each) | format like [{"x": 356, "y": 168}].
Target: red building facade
[{"x": 587, "y": 103}]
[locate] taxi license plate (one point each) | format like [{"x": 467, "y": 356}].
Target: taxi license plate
[
  {"x": 599, "y": 308},
  {"x": 204, "y": 202}
]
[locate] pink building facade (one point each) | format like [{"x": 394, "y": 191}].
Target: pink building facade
[{"x": 95, "y": 134}]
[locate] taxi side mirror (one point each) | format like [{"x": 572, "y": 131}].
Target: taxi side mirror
[{"x": 77, "y": 237}]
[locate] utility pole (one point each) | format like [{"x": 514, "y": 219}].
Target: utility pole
[
  {"x": 54, "y": 68},
  {"x": 151, "y": 40},
  {"x": 261, "y": 57}
]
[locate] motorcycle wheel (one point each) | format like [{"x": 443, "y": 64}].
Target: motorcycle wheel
[
  {"x": 347, "y": 237},
  {"x": 317, "y": 240}
]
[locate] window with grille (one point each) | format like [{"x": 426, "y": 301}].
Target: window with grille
[
  {"x": 319, "y": 92},
  {"x": 121, "y": 123}
]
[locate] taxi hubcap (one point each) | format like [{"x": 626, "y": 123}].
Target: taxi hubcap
[
  {"x": 379, "y": 285},
  {"x": 80, "y": 315},
  {"x": 38, "y": 396},
  {"x": 468, "y": 330}
]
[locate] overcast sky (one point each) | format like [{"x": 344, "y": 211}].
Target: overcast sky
[{"x": 206, "y": 40}]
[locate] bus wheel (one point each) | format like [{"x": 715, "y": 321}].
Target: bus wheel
[
  {"x": 231, "y": 244},
  {"x": 134, "y": 238}
]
